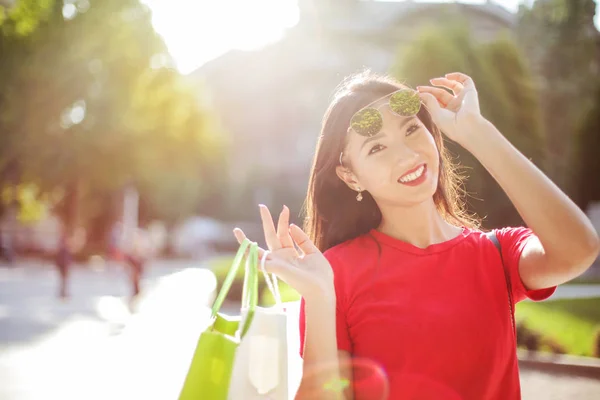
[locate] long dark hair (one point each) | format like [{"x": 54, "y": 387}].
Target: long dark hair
[{"x": 332, "y": 214}]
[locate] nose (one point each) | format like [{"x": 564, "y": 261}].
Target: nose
[{"x": 405, "y": 155}]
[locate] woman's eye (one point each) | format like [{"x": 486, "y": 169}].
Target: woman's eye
[
  {"x": 375, "y": 149},
  {"x": 412, "y": 128}
]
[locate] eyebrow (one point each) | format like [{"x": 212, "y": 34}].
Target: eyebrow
[{"x": 370, "y": 139}]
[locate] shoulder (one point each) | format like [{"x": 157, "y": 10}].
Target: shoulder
[
  {"x": 353, "y": 259},
  {"x": 513, "y": 233},
  {"x": 364, "y": 246},
  {"x": 506, "y": 235},
  {"x": 512, "y": 240},
  {"x": 350, "y": 262}
]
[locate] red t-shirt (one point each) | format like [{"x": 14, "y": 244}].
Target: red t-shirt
[{"x": 436, "y": 321}]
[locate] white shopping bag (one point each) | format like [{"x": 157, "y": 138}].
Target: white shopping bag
[
  {"x": 260, "y": 369},
  {"x": 295, "y": 362}
]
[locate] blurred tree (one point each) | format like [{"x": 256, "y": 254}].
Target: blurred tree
[
  {"x": 562, "y": 45},
  {"x": 507, "y": 99},
  {"x": 89, "y": 102},
  {"x": 22, "y": 17},
  {"x": 588, "y": 146},
  {"x": 524, "y": 117},
  {"x": 189, "y": 159},
  {"x": 18, "y": 19}
]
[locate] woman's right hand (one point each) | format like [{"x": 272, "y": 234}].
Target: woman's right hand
[{"x": 305, "y": 269}]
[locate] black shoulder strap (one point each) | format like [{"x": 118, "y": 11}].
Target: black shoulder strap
[{"x": 492, "y": 236}]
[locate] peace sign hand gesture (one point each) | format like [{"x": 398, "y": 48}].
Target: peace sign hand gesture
[
  {"x": 293, "y": 257},
  {"x": 456, "y": 114}
]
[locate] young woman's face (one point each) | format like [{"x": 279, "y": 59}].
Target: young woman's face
[{"x": 399, "y": 165}]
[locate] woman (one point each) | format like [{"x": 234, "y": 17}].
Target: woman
[{"x": 392, "y": 269}]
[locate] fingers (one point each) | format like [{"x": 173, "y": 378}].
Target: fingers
[
  {"x": 455, "y": 86},
  {"x": 269, "y": 228},
  {"x": 302, "y": 240},
  {"x": 443, "y": 96},
  {"x": 469, "y": 97},
  {"x": 268, "y": 262},
  {"x": 281, "y": 268},
  {"x": 431, "y": 103},
  {"x": 463, "y": 79},
  {"x": 283, "y": 228},
  {"x": 240, "y": 236}
]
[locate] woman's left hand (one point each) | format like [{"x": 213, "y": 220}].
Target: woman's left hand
[{"x": 457, "y": 114}]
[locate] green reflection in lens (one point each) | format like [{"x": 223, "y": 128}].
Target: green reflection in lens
[
  {"x": 367, "y": 122},
  {"x": 405, "y": 102}
]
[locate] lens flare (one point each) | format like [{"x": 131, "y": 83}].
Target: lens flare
[{"x": 369, "y": 380}]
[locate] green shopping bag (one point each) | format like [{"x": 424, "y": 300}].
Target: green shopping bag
[{"x": 210, "y": 370}]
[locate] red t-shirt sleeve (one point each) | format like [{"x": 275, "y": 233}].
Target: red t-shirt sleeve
[
  {"x": 343, "y": 337},
  {"x": 513, "y": 241}
]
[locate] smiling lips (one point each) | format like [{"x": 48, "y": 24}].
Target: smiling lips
[{"x": 415, "y": 176}]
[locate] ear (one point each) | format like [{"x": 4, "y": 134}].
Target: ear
[{"x": 347, "y": 177}]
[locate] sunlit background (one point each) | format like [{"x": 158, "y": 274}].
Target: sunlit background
[
  {"x": 135, "y": 134},
  {"x": 199, "y": 31}
]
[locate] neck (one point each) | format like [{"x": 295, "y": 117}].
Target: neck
[{"x": 420, "y": 225}]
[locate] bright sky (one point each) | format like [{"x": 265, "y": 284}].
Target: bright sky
[{"x": 197, "y": 31}]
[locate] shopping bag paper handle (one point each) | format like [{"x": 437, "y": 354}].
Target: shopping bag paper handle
[
  {"x": 229, "y": 278},
  {"x": 250, "y": 290},
  {"x": 271, "y": 280}
]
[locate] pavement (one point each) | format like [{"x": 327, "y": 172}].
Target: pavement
[
  {"x": 93, "y": 347},
  {"x": 537, "y": 385}
]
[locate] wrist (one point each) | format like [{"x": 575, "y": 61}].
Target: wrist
[
  {"x": 476, "y": 133},
  {"x": 323, "y": 300}
]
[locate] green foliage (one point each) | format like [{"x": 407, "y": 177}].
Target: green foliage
[
  {"x": 561, "y": 42},
  {"x": 508, "y": 65},
  {"x": 81, "y": 106},
  {"x": 25, "y": 16},
  {"x": 164, "y": 115},
  {"x": 573, "y": 324},
  {"x": 507, "y": 98}
]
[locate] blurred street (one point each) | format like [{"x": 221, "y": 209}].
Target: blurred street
[
  {"x": 539, "y": 385},
  {"x": 92, "y": 347}
]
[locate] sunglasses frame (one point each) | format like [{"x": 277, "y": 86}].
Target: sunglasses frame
[
  {"x": 369, "y": 107},
  {"x": 414, "y": 94}
]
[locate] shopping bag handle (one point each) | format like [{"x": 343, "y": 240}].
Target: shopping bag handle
[
  {"x": 271, "y": 280},
  {"x": 229, "y": 279},
  {"x": 250, "y": 288}
]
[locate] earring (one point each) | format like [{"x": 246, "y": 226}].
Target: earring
[{"x": 359, "y": 196}]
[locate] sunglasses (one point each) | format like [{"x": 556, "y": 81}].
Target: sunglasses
[{"x": 368, "y": 121}]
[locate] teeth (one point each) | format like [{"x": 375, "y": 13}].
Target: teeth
[{"x": 414, "y": 175}]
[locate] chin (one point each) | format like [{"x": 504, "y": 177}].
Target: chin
[{"x": 424, "y": 192}]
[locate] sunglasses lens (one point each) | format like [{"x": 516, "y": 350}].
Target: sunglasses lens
[
  {"x": 367, "y": 122},
  {"x": 405, "y": 103}
]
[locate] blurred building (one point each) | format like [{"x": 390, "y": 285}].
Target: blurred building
[{"x": 271, "y": 101}]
